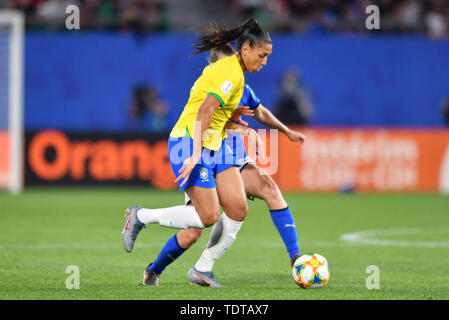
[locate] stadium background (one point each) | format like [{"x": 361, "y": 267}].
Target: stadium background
[
  {"x": 375, "y": 110},
  {"x": 83, "y": 84}
]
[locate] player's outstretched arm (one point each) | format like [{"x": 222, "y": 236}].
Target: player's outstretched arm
[{"x": 265, "y": 117}]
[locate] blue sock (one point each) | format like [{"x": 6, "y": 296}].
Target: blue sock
[
  {"x": 283, "y": 220},
  {"x": 169, "y": 253}
]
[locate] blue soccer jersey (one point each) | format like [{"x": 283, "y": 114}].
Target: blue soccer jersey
[
  {"x": 235, "y": 141},
  {"x": 249, "y": 98}
]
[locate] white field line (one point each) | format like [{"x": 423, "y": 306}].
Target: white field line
[
  {"x": 370, "y": 237},
  {"x": 118, "y": 245},
  {"x": 367, "y": 237}
]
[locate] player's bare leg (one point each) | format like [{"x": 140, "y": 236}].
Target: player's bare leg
[
  {"x": 231, "y": 193},
  {"x": 262, "y": 186},
  {"x": 233, "y": 200},
  {"x": 206, "y": 203}
]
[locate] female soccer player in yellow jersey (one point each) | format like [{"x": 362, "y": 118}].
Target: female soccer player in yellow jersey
[
  {"x": 202, "y": 165},
  {"x": 257, "y": 184}
]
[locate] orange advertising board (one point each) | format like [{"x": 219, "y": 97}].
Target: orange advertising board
[
  {"x": 385, "y": 160},
  {"x": 366, "y": 160},
  {"x": 57, "y": 157}
]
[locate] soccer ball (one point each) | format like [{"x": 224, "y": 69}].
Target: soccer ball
[{"x": 311, "y": 271}]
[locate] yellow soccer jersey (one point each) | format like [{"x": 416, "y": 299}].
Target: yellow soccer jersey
[{"x": 224, "y": 80}]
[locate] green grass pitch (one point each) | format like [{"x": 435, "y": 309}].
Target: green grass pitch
[{"x": 43, "y": 231}]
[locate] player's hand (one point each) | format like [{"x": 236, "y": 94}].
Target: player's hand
[
  {"x": 257, "y": 142},
  {"x": 241, "y": 111},
  {"x": 186, "y": 169},
  {"x": 296, "y": 136}
]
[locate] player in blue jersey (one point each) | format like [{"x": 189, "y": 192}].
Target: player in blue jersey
[{"x": 257, "y": 184}]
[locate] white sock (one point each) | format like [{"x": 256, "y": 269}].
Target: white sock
[
  {"x": 216, "y": 232},
  {"x": 179, "y": 217},
  {"x": 221, "y": 238}
]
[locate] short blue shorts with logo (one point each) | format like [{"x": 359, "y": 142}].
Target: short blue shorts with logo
[{"x": 211, "y": 163}]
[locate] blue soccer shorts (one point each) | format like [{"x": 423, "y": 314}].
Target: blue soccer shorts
[
  {"x": 211, "y": 162},
  {"x": 236, "y": 144}
]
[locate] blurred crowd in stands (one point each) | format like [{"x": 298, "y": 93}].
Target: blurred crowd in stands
[{"x": 430, "y": 17}]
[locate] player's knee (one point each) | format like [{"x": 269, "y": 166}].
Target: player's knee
[
  {"x": 194, "y": 236},
  {"x": 211, "y": 218},
  {"x": 243, "y": 211},
  {"x": 186, "y": 238},
  {"x": 238, "y": 211},
  {"x": 244, "y": 208}
]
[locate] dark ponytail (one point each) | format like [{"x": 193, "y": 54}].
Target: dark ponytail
[{"x": 213, "y": 37}]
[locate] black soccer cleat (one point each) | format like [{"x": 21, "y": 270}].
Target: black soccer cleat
[
  {"x": 295, "y": 257},
  {"x": 150, "y": 278}
]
